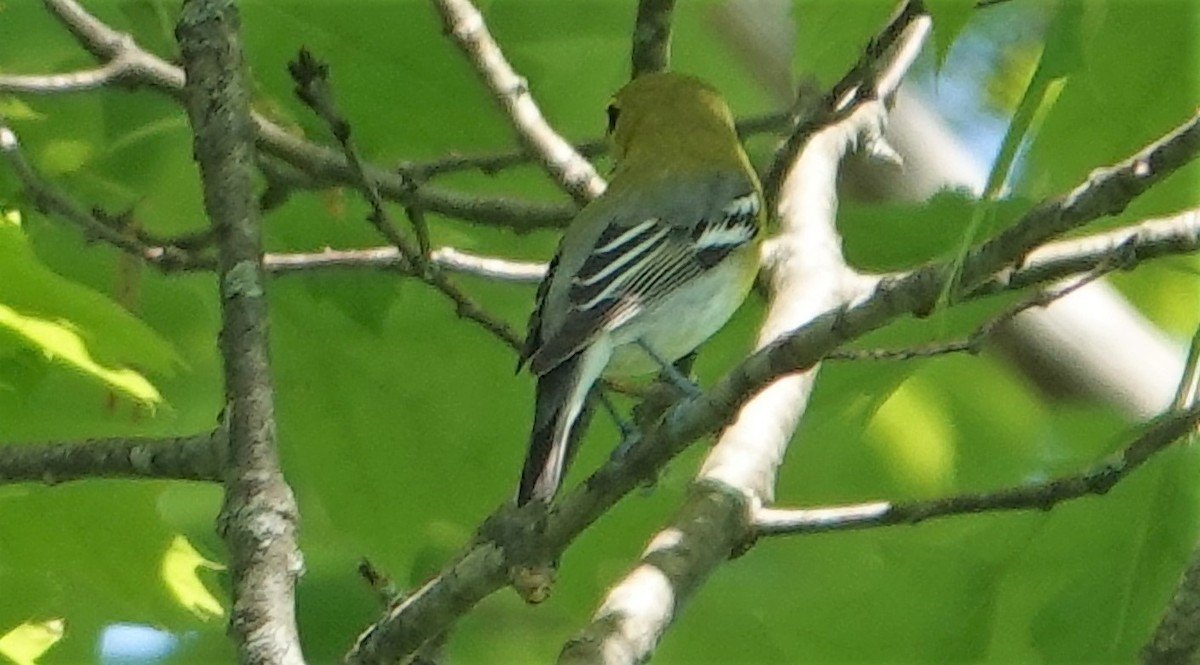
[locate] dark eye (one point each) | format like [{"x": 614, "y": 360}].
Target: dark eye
[{"x": 613, "y": 113}]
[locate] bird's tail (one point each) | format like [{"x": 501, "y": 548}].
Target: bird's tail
[{"x": 559, "y": 419}]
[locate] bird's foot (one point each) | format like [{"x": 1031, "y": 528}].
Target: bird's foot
[{"x": 671, "y": 374}]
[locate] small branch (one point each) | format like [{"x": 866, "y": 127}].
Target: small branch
[
  {"x": 182, "y": 458},
  {"x": 652, "y": 37},
  {"x": 258, "y": 517},
  {"x": 974, "y": 342},
  {"x": 1150, "y": 239},
  {"x": 323, "y": 166},
  {"x": 1188, "y": 392},
  {"x": 312, "y": 87},
  {"x": 389, "y": 258},
  {"x": 488, "y": 267},
  {"x": 568, "y": 168},
  {"x": 416, "y": 217},
  {"x": 1145, "y": 241},
  {"x": 84, "y": 80},
  {"x": 1099, "y": 479},
  {"x": 178, "y": 254},
  {"x": 1107, "y": 191},
  {"x": 494, "y": 163},
  {"x": 875, "y": 76},
  {"x": 95, "y": 226}
]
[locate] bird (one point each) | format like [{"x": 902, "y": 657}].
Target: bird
[{"x": 648, "y": 270}]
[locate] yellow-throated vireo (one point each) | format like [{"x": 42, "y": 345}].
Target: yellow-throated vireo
[{"x": 652, "y": 267}]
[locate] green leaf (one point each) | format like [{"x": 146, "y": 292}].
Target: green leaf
[
  {"x": 71, "y": 325},
  {"x": 949, "y": 19}
]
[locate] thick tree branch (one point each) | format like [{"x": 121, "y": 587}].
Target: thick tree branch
[
  {"x": 559, "y": 159},
  {"x": 258, "y": 518},
  {"x": 651, "y": 37},
  {"x": 181, "y": 458},
  {"x": 1099, "y": 479},
  {"x": 808, "y": 275}
]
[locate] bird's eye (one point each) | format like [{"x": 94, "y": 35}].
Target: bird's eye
[{"x": 613, "y": 113}]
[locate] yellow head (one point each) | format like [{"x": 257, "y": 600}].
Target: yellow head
[{"x": 671, "y": 120}]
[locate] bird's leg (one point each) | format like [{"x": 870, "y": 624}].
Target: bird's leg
[
  {"x": 627, "y": 431},
  {"x": 671, "y": 372}
]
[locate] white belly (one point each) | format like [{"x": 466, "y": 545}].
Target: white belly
[{"x": 693, "y": 315}]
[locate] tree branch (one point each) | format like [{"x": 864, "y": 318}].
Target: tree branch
[
  {"x": 1099, "y": 479},
  {"x": 312, "y": 86},
  {"x": 258, "y": 517},
  {"x": 323, "y": 165},
  {"x": 496, "y": 162},
  {"x": 83, "y": 80},
  {"x": 651, "y": 38},
  {"x": 974, "y": 342},
  {"x": 568, "y": 168},
  {"x": 181, "y": 458},
  {"x": 880, "y": 63},
  {"x": 1130, "y": 246},
  {"x": 94, "y": 225},
  {"x": 1176, "y": 638},
  {"x": 1178, "y": 234},
  {"x": 389, "y": 258},
  {"x": 808, "y": 275}
]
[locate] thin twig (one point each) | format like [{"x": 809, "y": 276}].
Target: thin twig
[
  {"x": 182, "y": 458},
  {"x": 1099, "y": 479},
  {"x": 861, "y": 83},
  {"x": 312, "y": 86},
  {"x": 1188, "y": 392},
  {"x": 974, "y": 342},
  {"x": 568, "y": 168},
  {"x": 94, "y": 224},
  {"x": 324, "y": 166},
  {"x": 1149, "y": 239},
  {"x": 83, "y": 80},
  {"x": 494, "y": 163}
]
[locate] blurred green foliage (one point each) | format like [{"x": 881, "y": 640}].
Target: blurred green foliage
[{"x": 402, "y": 426}]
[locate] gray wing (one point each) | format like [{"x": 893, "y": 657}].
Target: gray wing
[{"x": 638, "y": 261}]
